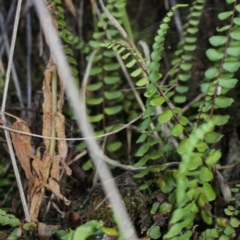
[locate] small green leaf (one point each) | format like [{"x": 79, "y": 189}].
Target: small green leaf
[
  {"x": 155, "y": 232},
  {"x": 111, "y": 79},
  {"x": 94, "y": 87},
  {"x": 186, "y": 66},
  {"x": 96, "y": 118},
  {"x": 142, "y": 150},
  {"x": 212, "y": 137},
  {"x": 94, "y": 101},
  {"x": 183, "y": 120},
  {"x": 145, "y": 124},
  {"x": 233, "y": 51},
  {"x": 208, "y": 190},
  {"x": 224, "y": 28},
  {"x": 235, "y": 34},
  {"x": 229, "y": 230},
  {"x": 112, "y": 147},
  {"x": 211, "y": 73},
  {"x": 231, "y": 67},
  {"x": 112, "y": 95},
  {"x": 236, "y": 20},
  {"x": 205, "y": 174},
  {"x": 142, "y": 174},
  {"x": 179, "y": 99},
  {"x": 157, "y": 101},
  {"x": 183, "y": 146},
  {"x": 225, "y": 15},
  {"x": 223, "y": 102},
  {"x": 137, "y": 72},
  {"x": 142, "y": 161},
  {"x": 151, "y": 90},
  {"x": 228, "y": 83},
  {"x": 213, "y": 157},
  {"x": 148, "y": 112},
  {"x": 218, "y": 40},
  {"x": 110, "y": 231},
  {"x": 155, "y": 207},
  {"x": 95, "y": 71},
  {"x": 142, "y": 138},
  {"x": 146, "y": 185},
  {"x": 177, "y": 130},
  {"x": 111, "y": 66},
  {"x": 165, "y": 116},
  {"x": 165, "y": 208},
  {"x": 184, "y": 77},
  {"x": 234, "y": 222},
  {"x": 201, "y": 146},
  {"x": 182, "y": 89},
  {"x": 142, "y": 82},
  {"x": 112, "y": 110},
  {"x": 220, "y": 119},
  {"x": 87, "y": 165},
  {"x": 131, "y": 63},
  {"x": 214, "y": 55},
  {"x": 196, "y": 161}
]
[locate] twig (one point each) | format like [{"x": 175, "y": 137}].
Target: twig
[
  {"x": 13, "y": 69},
  {"x": 11, "y": 129},
  {"x": 5, "y": 93},
  {"x": 29, "y": 57},
  {"x": 6, "y": 24}
]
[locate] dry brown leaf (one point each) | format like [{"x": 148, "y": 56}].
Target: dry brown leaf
[
  {"x": 22, "y": 146},
  {"x": 47, "y": 128},
  {"x": 55, "y": 170},
  {"x": 53, "y": 184},
  {"x": 61, "y": 95},
  {"x": 71, "y": 7},
  {"x": 36, "y": 196},
  {"x": 62, "y": 144},
  {"x": 47, "y": 104},
  {"x": 42, "y": 167},
  {"x": 54, "y": 188}
]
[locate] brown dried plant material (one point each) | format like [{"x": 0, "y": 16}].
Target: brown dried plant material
[
  {"x": 47, "y": 107},
  {"x": 22, "y": 146},
  {"x": 53, "y": 185},
  {"x": 36, "y": 197},
  {"x": 62, "y": 144},
  {"x": 47, "y": 94},
  {"x": 47, "y": 126},
  {"x": 42, "y": 167},
  {"x": 36, "y": 193},
  {"x": 71, "y": 7},
  {"x": 61, "y": 96}
]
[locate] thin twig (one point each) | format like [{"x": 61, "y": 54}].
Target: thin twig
[
  {"x": 7, "y": 22},
  {"x": 11, "y": 129},
  {"x": 29, "y": 58},
  {"x": 5, "y": 93},
  {"x": 13, "y": 69}
]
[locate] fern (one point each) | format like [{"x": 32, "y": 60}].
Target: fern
[
  {"x": 155, "y": 98},
  {"x": 8, "y": 219},
  {"x": 182, "y": 62}
]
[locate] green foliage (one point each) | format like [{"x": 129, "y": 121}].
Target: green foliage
[
  {"x": 167, "y": 133},
  {"x": 8, "y": 219}
]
